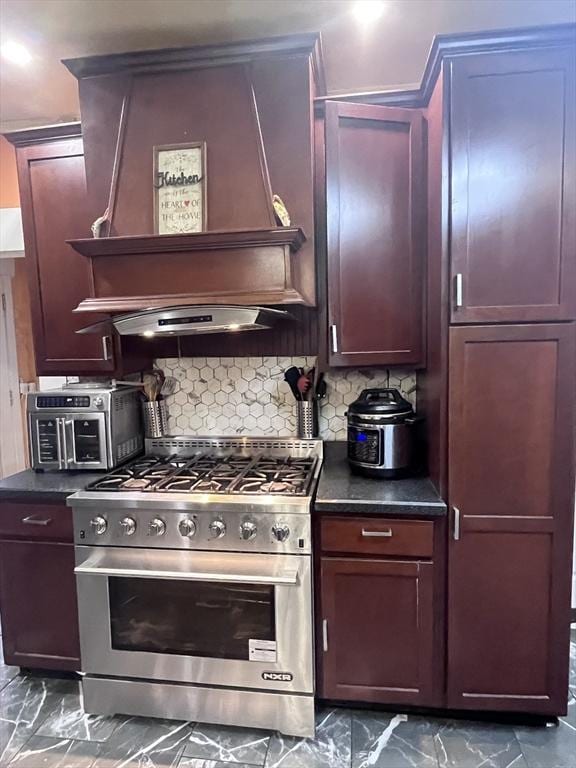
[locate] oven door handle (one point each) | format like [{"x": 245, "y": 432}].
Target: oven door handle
[{"x": 285, "y": 578}]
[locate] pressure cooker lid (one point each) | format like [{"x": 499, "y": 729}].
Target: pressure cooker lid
[{"x": 380, "y": 402}]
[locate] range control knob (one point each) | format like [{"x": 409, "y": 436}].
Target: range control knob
[
  {"x": 280, "y": 531},
  {"x": 99, "y": 525},
  {"x": 248, "y": 530},
  {"x": 98, "y": 402},
  {"x": 187, "y": 527},
  {"x": 128, "y": 525},
  {"x": 217, "y": 529},
  {"x": 157, "y": 527}
]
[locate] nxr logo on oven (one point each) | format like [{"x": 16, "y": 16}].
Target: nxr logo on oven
[{"x": 282, "y": 677}]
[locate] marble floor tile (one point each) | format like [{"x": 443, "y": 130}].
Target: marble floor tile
[
  {"x": 199, "y": 762},
  {"x": 44, "y": 752},
  {"x": 467, "y": 744},
  {"x": 24, "y": 705},
  {"x": 331, "y": 747},
  {"x": 140, "y": 742},
  {"x": 392, "y": 741},
  {"x": 68, "y": 721},
  {"x": 553, "y": 746},
  {"x": 6, "y": 673},
  {"x": 228, "y": 744}
]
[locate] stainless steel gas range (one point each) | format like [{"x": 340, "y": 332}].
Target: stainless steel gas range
[{"x": 194, "y": 576}]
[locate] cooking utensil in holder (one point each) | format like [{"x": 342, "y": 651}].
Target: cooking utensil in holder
[
  {"x": 155, "y": 418},
  {"x": 307, "y": 418}
]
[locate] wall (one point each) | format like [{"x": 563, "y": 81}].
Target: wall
[
  {"x": 10, "y": 198},
  {"x": 248, "y": 395}
]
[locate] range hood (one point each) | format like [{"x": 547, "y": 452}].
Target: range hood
[{"x": 191, "y": 321}]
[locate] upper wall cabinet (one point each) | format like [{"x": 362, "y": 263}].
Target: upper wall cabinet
[
  {"x": 249, "y": 106},
  {"x": 54, "y": 208},
  {"x": 52, "y": 184},
  {"x": 513, "y": 186},
  {"x": 375, "y": 179}
]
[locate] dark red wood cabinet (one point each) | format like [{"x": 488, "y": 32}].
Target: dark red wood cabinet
[
  {"x": 37, "y": 587},
  {"x": 511, "y": 487},
  {"x": 513, "y": 186},
  {"x": 377, "y": 612},
  {"x": 375, "y": 209},
  {"x": 55, "y": 208}
]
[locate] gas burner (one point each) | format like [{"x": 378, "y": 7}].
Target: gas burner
[
  {"x": 276, "y": 486},
  {"x": 136, "y": 484}
]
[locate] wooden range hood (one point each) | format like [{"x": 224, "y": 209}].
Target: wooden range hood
[{"x": 252, "y": 104}]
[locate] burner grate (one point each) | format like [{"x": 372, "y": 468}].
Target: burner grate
[{"x": 216, "y": 473}]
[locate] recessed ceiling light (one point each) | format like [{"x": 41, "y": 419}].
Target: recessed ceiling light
[
  {"x": 15, "y": 52},
  {"x": 368, "y": 10}
]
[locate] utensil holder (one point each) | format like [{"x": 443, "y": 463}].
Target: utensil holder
[
  {"x": 307, "y": 419},
  {"x": 155, "y": 418}
]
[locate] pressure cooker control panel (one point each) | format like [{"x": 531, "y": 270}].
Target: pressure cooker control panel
[{"x": 363, "y": 445}]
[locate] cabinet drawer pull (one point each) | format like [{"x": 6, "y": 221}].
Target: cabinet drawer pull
[
  {"x": 456, "y": 524},
  {"x": 334, "y": 337},
  {"x": 458, "y": 290},
  {"x": 387, "y": 534},
  {"x": 31, "y": 520},
  {"x": 325, "y": 635},
  {"x": 106, "y": 348}
]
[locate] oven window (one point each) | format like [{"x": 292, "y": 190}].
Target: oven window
[
  {"x": 190, "y": 618},
  {"x": 86, "y": 440}
]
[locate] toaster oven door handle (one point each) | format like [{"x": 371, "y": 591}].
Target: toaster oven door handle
[
  {"x": 63, "y": 444},
  {"x": 387, "y": 534},
  {"x": 286, "y": 578}
]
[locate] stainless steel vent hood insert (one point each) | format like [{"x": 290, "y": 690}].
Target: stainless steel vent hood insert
[{"x": 192, "y": 321}]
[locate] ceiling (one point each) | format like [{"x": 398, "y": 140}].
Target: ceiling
[{"x": 386, "y": 53}]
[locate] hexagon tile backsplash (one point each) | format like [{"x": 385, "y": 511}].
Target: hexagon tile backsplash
[{"x": 248, "y": 395}]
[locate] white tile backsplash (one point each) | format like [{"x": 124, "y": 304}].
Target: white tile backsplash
[{"x": 248, "y": 395}]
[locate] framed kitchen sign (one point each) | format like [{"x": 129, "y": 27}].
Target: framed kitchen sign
[{"x": 180, "y": 188}]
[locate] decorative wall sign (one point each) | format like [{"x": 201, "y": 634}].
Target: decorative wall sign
[{"x": 180, "y": 188}]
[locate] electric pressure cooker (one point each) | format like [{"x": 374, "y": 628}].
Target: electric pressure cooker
[{"x": 382, "y": 434}]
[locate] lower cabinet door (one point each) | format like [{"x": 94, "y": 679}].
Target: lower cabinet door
[
  {"x": 505, "y": 628},
  {"x": 511, "y": 489},
  {"x": 38, "y": 605},
  {"x": 377, "y": 626}
]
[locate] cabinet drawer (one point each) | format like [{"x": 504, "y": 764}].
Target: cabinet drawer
[
  {"x": 378, "y": 536},
  {"x": 35, "y": 521}
]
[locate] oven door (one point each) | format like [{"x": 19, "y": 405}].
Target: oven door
[
  {"x": 215, "y": 618},
  {"x": 46, "y": 433},
  {"x": 85, "y": 441}
]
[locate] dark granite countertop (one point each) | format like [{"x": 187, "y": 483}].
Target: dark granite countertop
[
  {"x": 44, "y": 486},
  {"x": 341, "y": 491}
]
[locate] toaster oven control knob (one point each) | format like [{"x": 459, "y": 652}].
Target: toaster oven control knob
[
  {"x": 157, "y": 527},
  {"x": 187, "y": 527},
  {"x": 99, "y": 402},
  {"x": 99, "y": 525},
  {"x": 217, "y": 529},
  {"x": 248, "y": 530},
  {"x": 128, "y": 525},
  {"x": 280, "y": 531}
]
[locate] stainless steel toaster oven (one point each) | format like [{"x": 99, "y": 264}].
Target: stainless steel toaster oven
[{"x": 84, "y": 428}]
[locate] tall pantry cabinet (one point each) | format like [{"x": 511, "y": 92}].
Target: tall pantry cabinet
[{"x": 502, "y": 268}]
